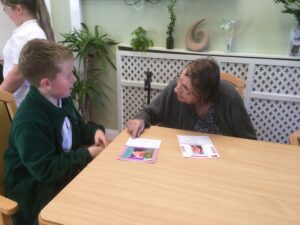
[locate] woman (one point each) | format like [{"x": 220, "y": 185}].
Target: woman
[
  {"x": 199, "y": 101},
  {"x": 32, "y": 20}
]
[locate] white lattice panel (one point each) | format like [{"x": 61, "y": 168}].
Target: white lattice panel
[
  {"x": 134, "y": 68},
  {"x": 133, "y": 100},
  {"x": 270, "y": 83},
  {"x": 277, "y": 79},
  {"x": 274, "y": 120},
  {"x": 238, "y": 69}
]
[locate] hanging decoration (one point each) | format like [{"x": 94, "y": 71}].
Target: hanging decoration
[{"x": 139, "y": 4}]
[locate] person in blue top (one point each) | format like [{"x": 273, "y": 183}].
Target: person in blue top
[
  {"x": 198, "y": 101},
  {"x": 48, "y": 143}
]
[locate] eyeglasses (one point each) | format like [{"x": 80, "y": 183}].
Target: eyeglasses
[{"x": 184, "y": 88}]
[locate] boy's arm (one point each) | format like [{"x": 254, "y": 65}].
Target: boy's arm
[
  {"x": 40, "y": 154},
  {"x": 87, "y": 130}
]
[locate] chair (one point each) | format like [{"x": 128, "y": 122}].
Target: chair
[
  {"x": 294, "y": 138},
  {"x": 238, "y": 83},
  {"x": 7, "y": 110}
]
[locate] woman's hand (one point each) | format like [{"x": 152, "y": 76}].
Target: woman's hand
[{"x": 135, "y": 127}]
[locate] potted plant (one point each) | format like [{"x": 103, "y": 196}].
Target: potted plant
[
  {"x": 293, "y": 7},
  {"x": 170, "y": 39},
  {"x": 86, "y": 47},
  {"x": 140, "y": 42}
]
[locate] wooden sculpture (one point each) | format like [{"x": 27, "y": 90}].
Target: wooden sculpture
[{"x": 196, "y": 39}]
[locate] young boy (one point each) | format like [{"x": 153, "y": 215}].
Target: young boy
[{"x": 47, "y": 135}]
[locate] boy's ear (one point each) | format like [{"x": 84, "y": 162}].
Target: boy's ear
[
  {"x": 45, "y": 83},
  {"x": 19, "y": 8}
]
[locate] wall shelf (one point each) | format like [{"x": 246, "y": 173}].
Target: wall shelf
[{"x": 127, "y": 47}]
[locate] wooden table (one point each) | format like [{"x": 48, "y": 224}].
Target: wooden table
[{"x": 253, "y": 182}]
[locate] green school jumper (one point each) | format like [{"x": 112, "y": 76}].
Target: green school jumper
[{"x": 37, "y": 168}]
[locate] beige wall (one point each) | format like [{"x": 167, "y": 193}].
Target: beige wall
[
  {"x": 60, "y": 14},
  {"x": 263, "y": 28},
  {"x": 6, "y": 28}
]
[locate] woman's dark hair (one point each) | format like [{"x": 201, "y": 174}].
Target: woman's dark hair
[
  {"x": 38, "y": 9},
  {"x": 205, "y": 78}
]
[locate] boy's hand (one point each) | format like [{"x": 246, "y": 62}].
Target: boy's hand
[
  {"x": 95, "y": 150},
  {"x": 100, "y": 138},
  {"x": 135, "y": 127}
]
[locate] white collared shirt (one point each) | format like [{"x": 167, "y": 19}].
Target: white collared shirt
[
  {"x": 11, "y": 52},
  {"x": 66, "y": 132}
]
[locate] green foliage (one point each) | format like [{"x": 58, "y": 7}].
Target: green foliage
[
  {"x": 171, "y": 25},
  {"x": 83, "y": 42},
  {"x": 87, "y": 46},
  {"x": 291, "y": 7},
  {"x": 85, "y": 87},
  {"x": 140, "y": 42}
]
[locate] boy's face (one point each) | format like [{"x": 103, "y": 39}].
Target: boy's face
[{"x": 62, "y": 85}]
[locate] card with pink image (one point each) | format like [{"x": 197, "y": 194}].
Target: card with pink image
[
  {"x": 197, "y": 146},
  {"x": 140, "y": 150}
]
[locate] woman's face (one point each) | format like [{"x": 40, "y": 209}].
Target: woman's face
[{"x": 184, "y": 89}]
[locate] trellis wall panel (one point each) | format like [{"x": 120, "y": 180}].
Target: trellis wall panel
[{"x": 272, "y": 93}]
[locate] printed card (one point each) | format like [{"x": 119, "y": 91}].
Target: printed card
[
  {"x": 197, "y": 146},
  {"x": 140, "y": 150}
]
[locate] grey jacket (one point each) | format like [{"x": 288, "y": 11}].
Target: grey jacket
[{"x": 233, "y": 119}]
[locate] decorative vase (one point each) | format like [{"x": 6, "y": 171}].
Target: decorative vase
[
  {"x": 228, "y": 44},
  {"x": 170, "y": 42},
  {"x": 229, "y": 26},
  {"x": 295, "y": 42}
]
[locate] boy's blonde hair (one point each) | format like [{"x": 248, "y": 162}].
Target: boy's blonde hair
[{"x": 42, "y": 59}]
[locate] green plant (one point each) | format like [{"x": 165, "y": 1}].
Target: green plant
[
  {"x": 291, "y": 7},
  {"x": 87, "y": 46},
  {"x": 171, "y": 25},
  {"x": 140, "y": 42}
]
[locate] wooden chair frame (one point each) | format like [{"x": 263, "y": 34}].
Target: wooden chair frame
[
  {"x": 238, "y": 83},
  {"x": 9, "y": 102},
  {"x": 294, "y": 138},
  {"x": 7, "y": 206}
]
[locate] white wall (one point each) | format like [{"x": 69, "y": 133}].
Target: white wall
[{"x": 6, "y": 27}]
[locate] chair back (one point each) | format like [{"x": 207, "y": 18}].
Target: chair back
[
  {"x": 7, "y": 111},
  {"x": 238, "y": 83},
  {"x": 294, "y": 138}
]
